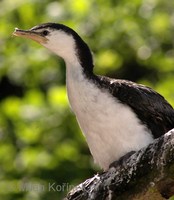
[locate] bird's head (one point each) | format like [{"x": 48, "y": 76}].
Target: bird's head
[{"x": 61, "y": 40}]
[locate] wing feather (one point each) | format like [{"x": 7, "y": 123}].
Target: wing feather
[{"x": 150, "y": 107}]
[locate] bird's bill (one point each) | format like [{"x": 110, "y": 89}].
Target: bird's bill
[{"x": 30, "y": 34}]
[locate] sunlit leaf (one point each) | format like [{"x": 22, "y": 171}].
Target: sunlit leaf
[{"x": 57, "y": 96}]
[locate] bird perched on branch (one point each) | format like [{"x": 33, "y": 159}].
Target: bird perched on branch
[{"x": 116, "y": 116}]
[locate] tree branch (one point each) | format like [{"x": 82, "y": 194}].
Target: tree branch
[{"x": 151, "y": 167}]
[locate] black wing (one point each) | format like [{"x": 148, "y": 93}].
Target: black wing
[{"x": 151, "y": 108}]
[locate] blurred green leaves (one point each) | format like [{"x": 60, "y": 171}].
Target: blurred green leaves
[
  {"x": 57, "y": 97},
  {"x": 40, "y": 141}
]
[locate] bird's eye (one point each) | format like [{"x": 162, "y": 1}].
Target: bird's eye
[{"x": 45, "y": 33}]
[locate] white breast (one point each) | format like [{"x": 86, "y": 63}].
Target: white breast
[{"x": 111, "y": 128}]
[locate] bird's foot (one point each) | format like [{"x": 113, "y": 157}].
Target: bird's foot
[{"x": 122, "y": 160}]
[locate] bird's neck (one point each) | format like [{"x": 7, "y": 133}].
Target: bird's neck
[
  {"x": 79, "y": 72},
  {"x": 84, "y": 56},
  {"x": 79, "y": 57},
  {"x": 73, "y": 50},
  {"x": 75, "y": 72},
  {"x": 78, "y": 83}
]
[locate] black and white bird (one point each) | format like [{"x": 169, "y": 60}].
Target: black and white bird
[{"x": 116, "y": 116}]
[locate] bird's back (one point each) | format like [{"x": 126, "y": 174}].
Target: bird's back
[{"x": 150, "y": 107}]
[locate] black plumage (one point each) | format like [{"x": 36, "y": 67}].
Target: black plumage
[{"x": 150, "y": 107}]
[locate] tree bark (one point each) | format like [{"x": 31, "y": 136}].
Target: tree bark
[{"x": 146, "y": 174}]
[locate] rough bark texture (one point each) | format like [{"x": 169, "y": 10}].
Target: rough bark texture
[{"x": 146, "y": 174}]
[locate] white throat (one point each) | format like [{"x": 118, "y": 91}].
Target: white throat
[{"x": 63, "y": 45}]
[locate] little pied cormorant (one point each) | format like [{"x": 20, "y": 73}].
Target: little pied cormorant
[{"x": 116, "y": 116}]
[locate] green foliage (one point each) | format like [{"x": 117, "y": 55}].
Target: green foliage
[
  {"x": 41, "y": 146},
  {"x": 171, "y": 198}
]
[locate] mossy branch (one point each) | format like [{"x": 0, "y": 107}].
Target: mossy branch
[{"x": 149, "y": 171}]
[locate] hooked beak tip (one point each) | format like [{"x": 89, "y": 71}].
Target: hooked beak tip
[{"x": 19, "y": 32}]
